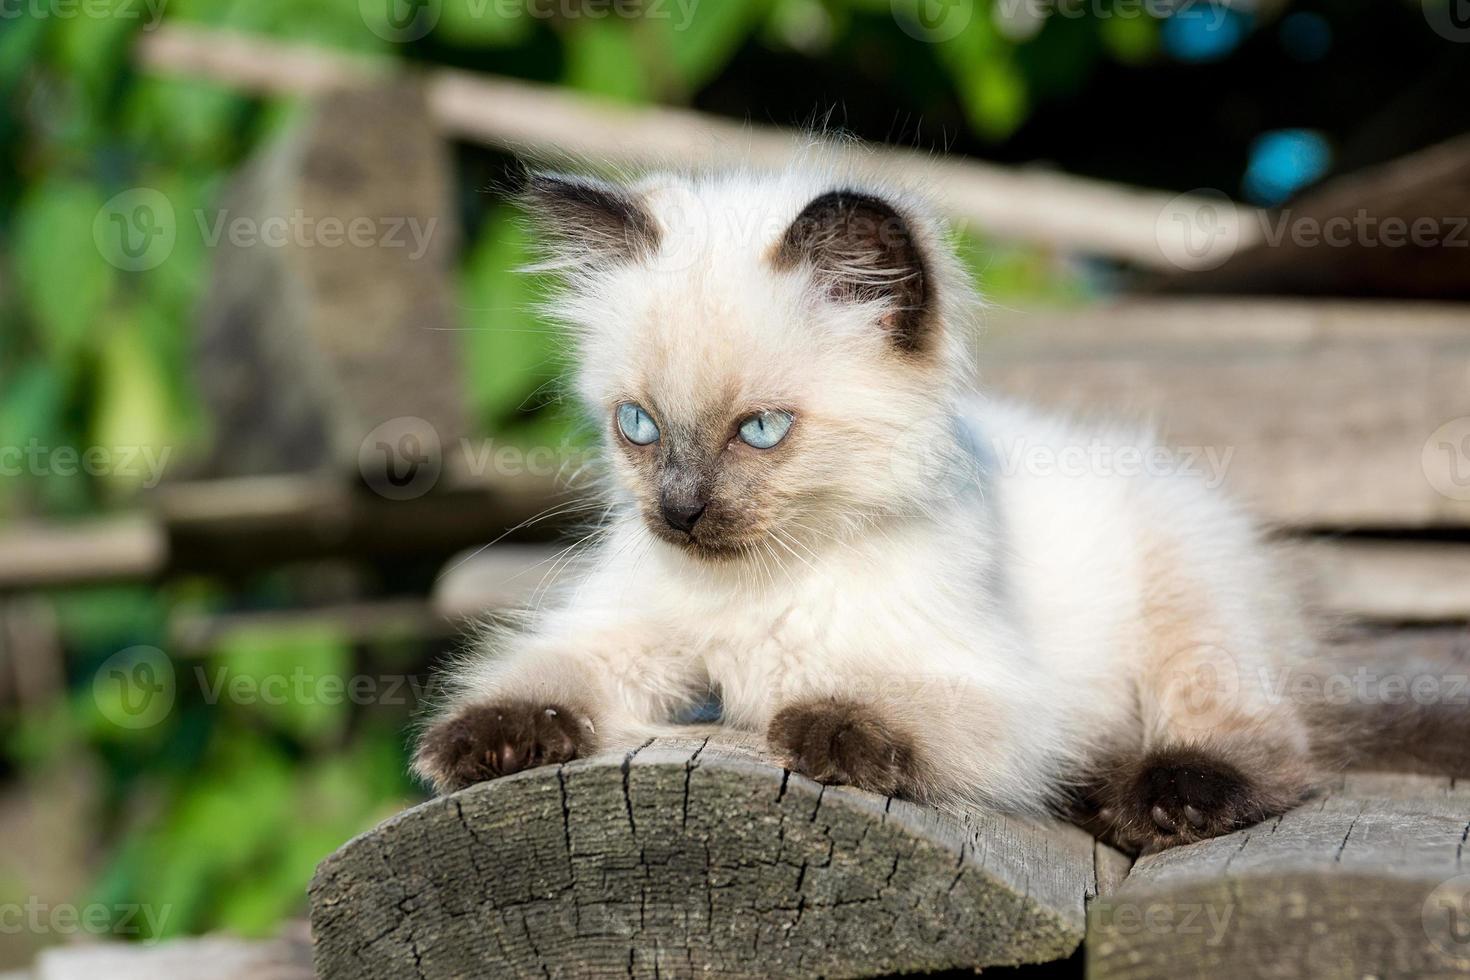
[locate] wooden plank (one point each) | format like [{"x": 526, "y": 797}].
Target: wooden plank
[
  {"x": 327, "y": 339},
  {"x": 1369, "y": 880},
  {"x": 1362, "y": 581},
  {"x": 201, "y": 958},
  {"x": 127, "y": 548},
  {"x": 1326, "y": 415},
  {"x": 1029, "y": 205},
  {"x": 1397, "y": 229},
  {"x": 695, "y": 857},
  {"x": 1391, "y": 581}
]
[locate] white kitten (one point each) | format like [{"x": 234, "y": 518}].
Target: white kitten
[{"x": 814, "y": 515}]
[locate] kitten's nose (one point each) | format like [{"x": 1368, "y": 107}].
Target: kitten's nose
[{"x": 682, "y": 515}]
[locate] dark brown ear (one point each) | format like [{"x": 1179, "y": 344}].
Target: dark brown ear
[
  {"x": 861, "y": 248},
  {"x": 591, "y": 217}
]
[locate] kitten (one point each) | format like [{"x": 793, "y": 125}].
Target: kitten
[{"x": 814, "y": 515}]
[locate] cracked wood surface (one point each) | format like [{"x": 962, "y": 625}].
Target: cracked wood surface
[
  {"x": 696, "y": 857},
  {"x": 1370, "y": 879}
]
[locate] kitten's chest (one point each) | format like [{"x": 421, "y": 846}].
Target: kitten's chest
[{"x": 760, "y": 654}]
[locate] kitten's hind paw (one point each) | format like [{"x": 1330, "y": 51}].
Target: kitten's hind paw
[
  {"x": 1181, "y": 795},
  {"x": 497, "y": 738},
  {"x": 839, "y": 741}
]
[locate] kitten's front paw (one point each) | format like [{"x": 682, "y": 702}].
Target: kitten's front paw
[
  {"x": 497, "y": 738},
  {"x": 839, "y": 741}
]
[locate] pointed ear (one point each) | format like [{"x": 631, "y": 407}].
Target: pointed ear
[
  {"x": 591, "y": 218},
  {"x": 862, "y": 249}
]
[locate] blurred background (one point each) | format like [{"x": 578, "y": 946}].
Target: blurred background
[{"x": 269, "y": 379}]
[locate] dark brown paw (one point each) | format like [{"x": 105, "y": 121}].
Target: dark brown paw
[
  {"x": 1176, "y": 796},
  {"x": 483, "y": 741},
  {"x": 838, "y": 741}
]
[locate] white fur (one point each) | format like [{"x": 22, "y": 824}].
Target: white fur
[{"x": 998, "y": 613}]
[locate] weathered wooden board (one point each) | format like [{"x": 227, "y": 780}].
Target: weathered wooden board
[
  {"x": 696, "y": 857},
  {"x": 1333, "y": 414},
  {"x": 327, "y": 339},
  {"x": 1366, "y": 581},
  {"x": 1370, "y": 880}
]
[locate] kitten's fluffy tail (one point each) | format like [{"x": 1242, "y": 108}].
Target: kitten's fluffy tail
[{"x": 1372, "y": 713}]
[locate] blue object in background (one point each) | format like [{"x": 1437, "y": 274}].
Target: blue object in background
[
  {"x": 1306, "y": 36},
  {"x": 1284, "y": 161},
  {"x": 1204, "y": 31}
]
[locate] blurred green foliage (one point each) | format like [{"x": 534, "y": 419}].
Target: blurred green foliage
[{"x": 221, "y": 811}]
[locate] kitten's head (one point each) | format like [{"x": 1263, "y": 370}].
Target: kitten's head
[{"x": 771, "y": 359}]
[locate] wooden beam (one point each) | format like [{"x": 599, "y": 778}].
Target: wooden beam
[
  {"x": 1326, "y": 415},
  {"x": 547, "y": 123},
  {"x": 1367, "y": 880},
  {"x": 696, "y": 856},
  {"x": 127, "y": 548}
]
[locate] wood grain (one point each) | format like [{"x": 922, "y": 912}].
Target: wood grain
[
  {"x": 1369, "y": 880},
  {"x": 696, "y": 857},
  {"x": 1333, "y": 414}
]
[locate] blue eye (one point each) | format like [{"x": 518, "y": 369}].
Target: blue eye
[
  {"x": 764, "y": 429},
  {"x": 635, "y": 424}
]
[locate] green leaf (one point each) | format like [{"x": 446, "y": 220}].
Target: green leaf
[
  {"x": 702, "y": 38},
  {"x": 602, "y": 58},
  {"x": 61, "y": 274},
  {"x": 132, "y": 416},
  {"x": 511, "y": 351},
  {"x": 93, "y": 49},
  {"x": 482, "y": 23},
  {"x": 1131, "y": 40},
  {"x": 297, "y": 678}
]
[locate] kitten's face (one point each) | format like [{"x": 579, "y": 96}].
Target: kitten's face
[{"x": 755, "y": 407}]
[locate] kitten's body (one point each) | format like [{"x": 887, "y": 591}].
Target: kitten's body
[{"x": 898, "y": 594}]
